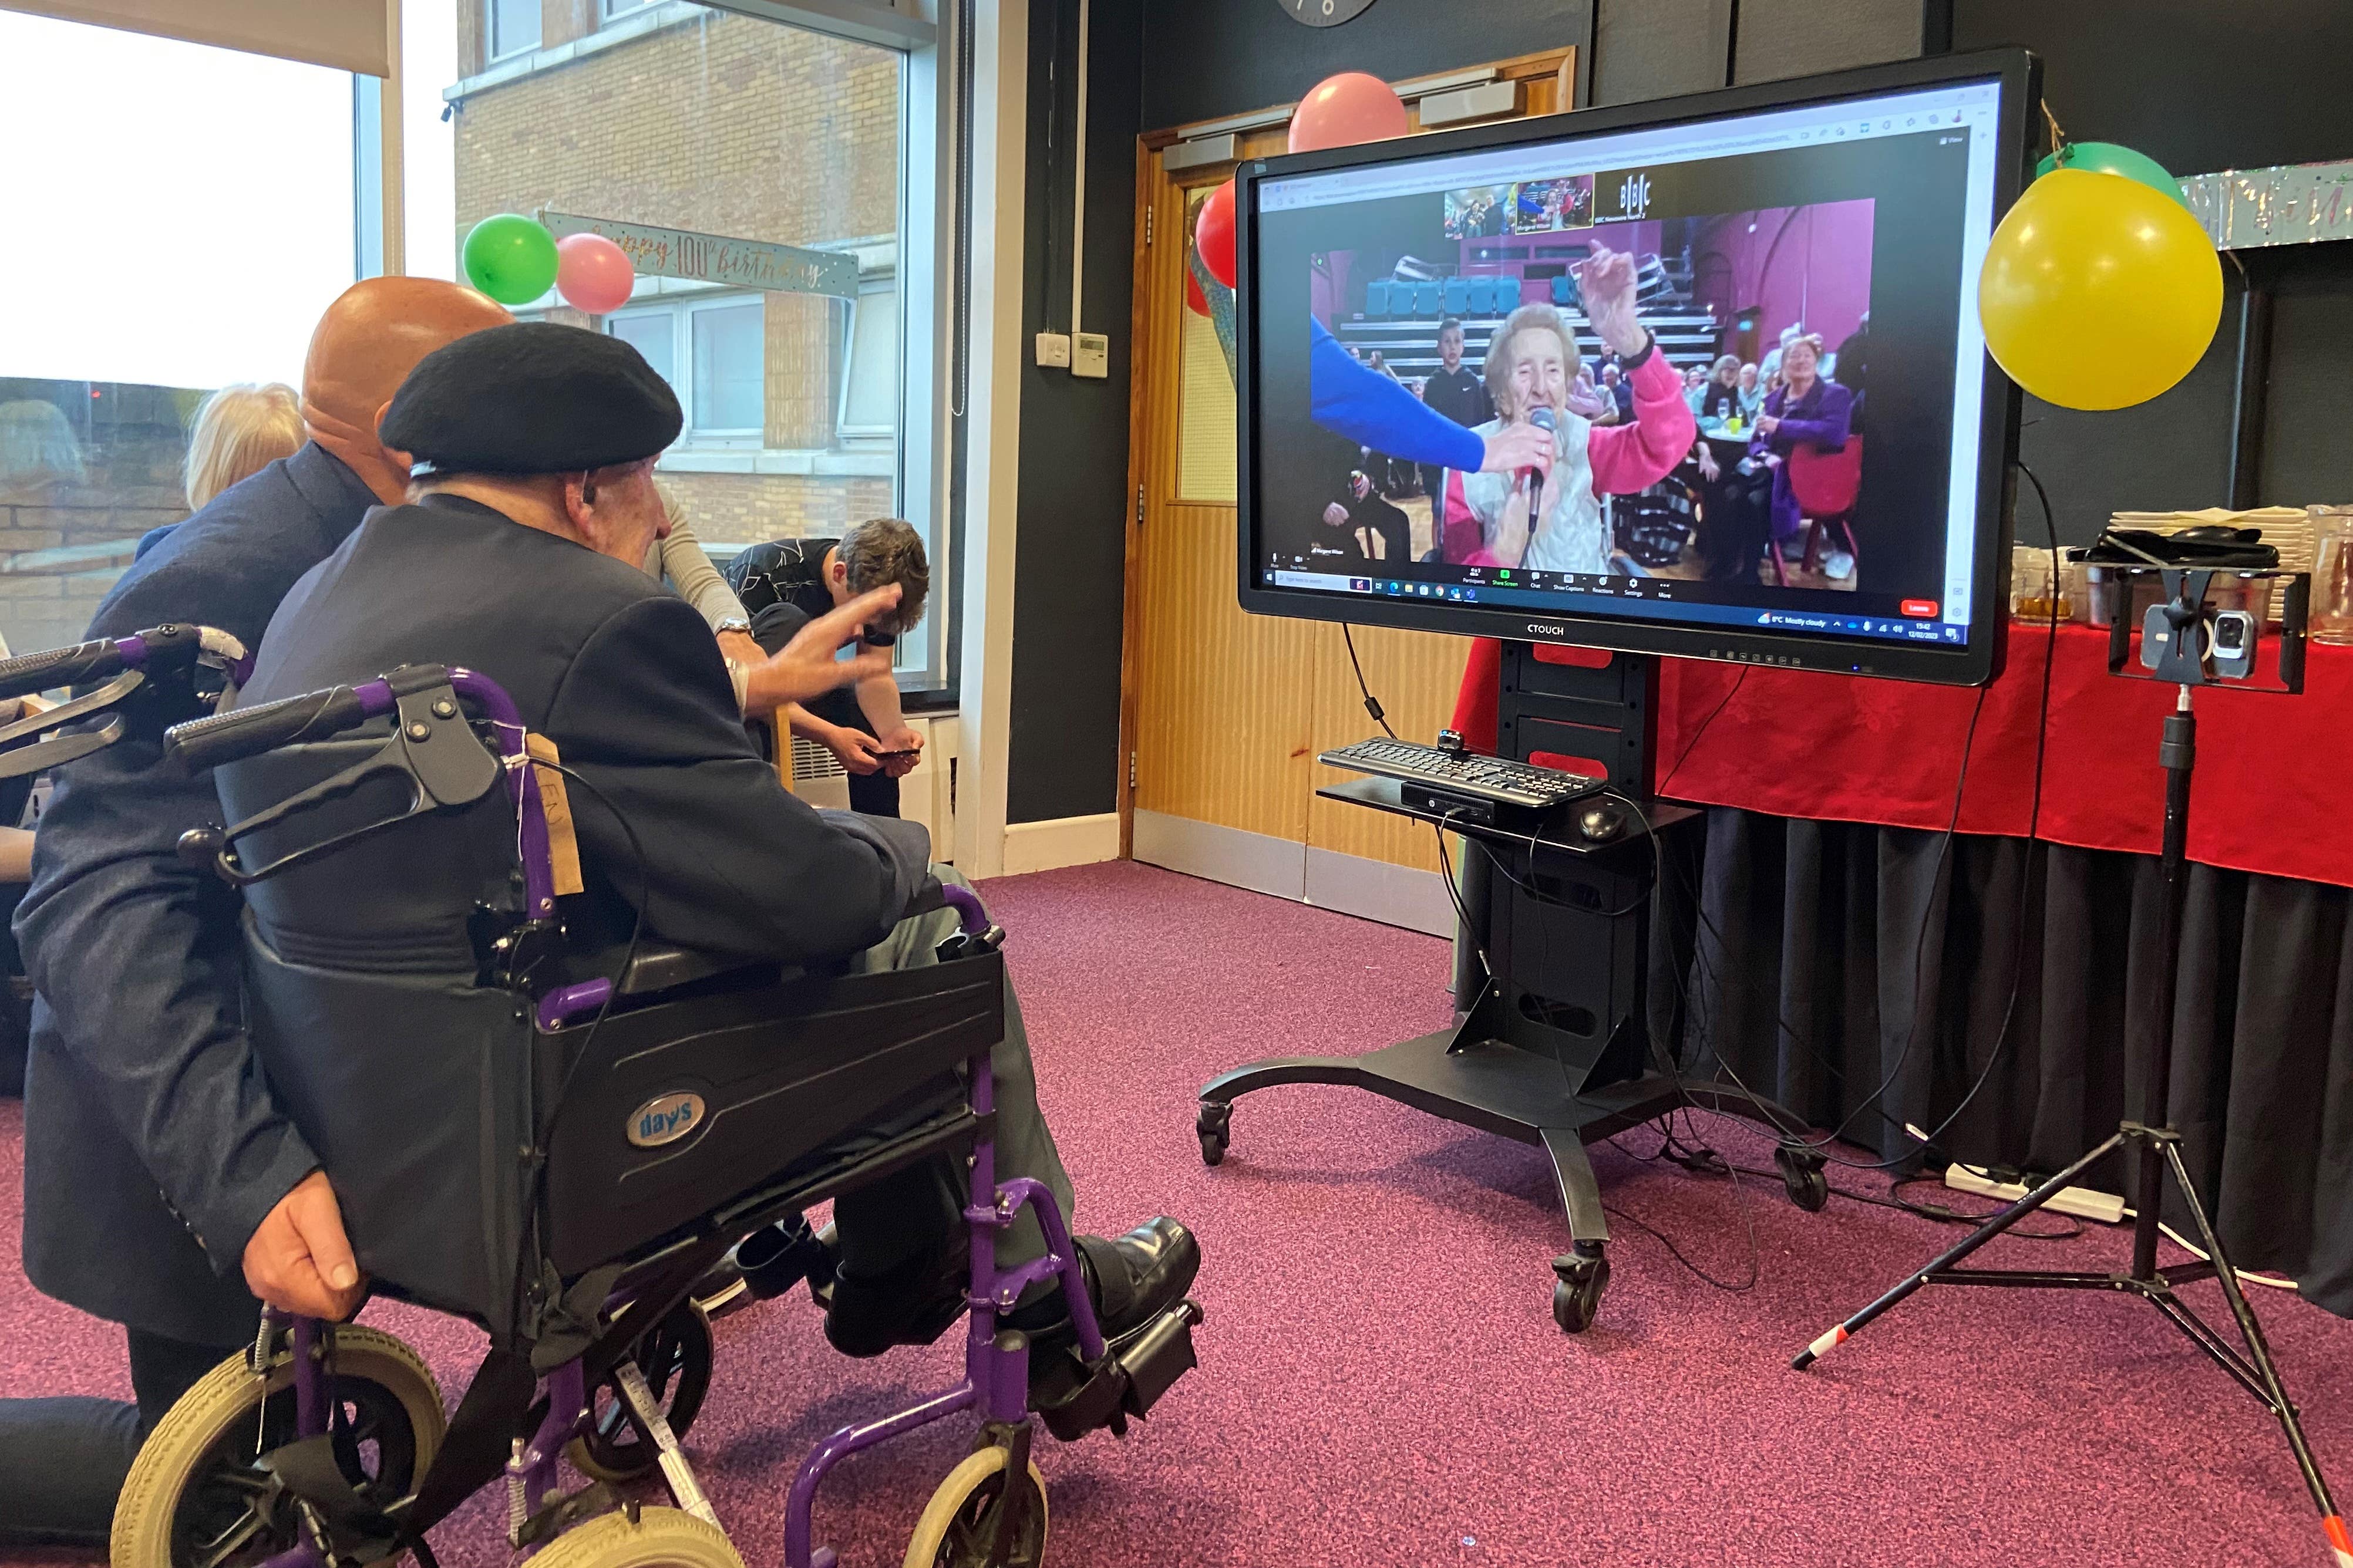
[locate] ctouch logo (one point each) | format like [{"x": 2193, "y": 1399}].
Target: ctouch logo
[
  {"x": 1542, "y": 629},
  {"x": 665, "y": 1118}
]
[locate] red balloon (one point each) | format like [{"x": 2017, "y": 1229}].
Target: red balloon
[
  {"x": 1213, "y": 233},
  {"x": 1342, "y": 110},
  {"x": 1195, "y": 301}
]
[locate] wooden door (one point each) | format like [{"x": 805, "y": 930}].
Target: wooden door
[{"x": 1223, "y": 713}]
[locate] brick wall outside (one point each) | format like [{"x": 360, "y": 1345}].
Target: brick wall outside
[{"x": 726, "y": 125}]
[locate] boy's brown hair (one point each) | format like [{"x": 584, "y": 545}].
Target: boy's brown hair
[{"x": 889, "y": 550}]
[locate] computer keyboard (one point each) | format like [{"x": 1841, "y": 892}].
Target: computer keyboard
[{"x": 1470, "y": 774}]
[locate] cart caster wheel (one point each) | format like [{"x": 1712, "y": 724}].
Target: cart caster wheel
[
  {"x": 1215, "y": 1119},
  {"x": 1581, "y": 1276},
  {"x": 1802, "y": 1174},
  {"x": 960, "y": 1525}
]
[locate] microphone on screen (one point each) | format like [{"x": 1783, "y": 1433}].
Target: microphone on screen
[{"x": 1543, "y": 420}]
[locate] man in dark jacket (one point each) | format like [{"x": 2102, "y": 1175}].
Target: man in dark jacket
[
  {"x": 520, "y": 557},
  {"x": 161, "y": 1186}
]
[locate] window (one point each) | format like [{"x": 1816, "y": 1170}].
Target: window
[
  {"x": 687, "y": 120},
  {"x": 108, "y": 343},
  {"x": 653, "y": 333},
  {"x": 728, "y": 396},
  {"x": 713, "y": 352},
  {"x": 514, "y": 26},
  {"x": 870, "y": 381}
]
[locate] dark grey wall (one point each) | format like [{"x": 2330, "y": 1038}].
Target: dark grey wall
[
  {"x": 1204, "y": 59},
  {"x": 2200, "y": 86},
  {"x": 1070, "y": 541}
]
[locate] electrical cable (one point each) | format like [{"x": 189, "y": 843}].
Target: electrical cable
[
  {"x": 2026, "y": 870},
  {"x": 1348, "y": 635},
  {"x": 544, "y": 1134},
  {"x": 1818, "y": 1147},
  {"x": 1684, "y": 755}
]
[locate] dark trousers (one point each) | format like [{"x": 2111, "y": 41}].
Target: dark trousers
[
  {"x": 63, "y": 1460},
  {"x": 872, "y": 795},
  {"x": 1735, "y": 549}
]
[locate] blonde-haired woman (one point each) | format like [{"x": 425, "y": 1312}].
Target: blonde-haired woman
[
  {"x": 1533, "y": 364},
  {"x": 239, "y": 432}
]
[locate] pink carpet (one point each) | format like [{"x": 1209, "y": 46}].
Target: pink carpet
[{"x": 1381, "y": 1382}]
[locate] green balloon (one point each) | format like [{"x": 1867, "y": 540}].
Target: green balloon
[
  {"x": 511, "y": 258},
  {"x": 2107, "y": 158}
]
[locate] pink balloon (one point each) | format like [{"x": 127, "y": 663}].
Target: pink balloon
[
  {"x": 592, "y": 273},
  {"x": 1342, "y": 110}
]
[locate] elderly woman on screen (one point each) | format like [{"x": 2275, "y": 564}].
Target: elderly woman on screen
[
  {"x": 1807, "y": 409},
  {"x": 1533, "y": 365}
]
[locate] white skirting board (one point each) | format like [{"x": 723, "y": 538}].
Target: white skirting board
[
  {"x": 1369, "y": 890},
  {"x": 1061, "y": 841}
]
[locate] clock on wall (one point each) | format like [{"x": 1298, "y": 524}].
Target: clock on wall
[{"x": 1322, "y": 12}]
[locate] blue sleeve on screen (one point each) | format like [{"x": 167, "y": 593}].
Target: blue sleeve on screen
[{"x": 1373, "y": 411}]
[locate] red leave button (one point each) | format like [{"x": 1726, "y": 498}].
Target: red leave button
[{"x": 1924, "y": 609}]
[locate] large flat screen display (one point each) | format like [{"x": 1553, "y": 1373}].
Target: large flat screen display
[{"x": 1743, "y": 327}]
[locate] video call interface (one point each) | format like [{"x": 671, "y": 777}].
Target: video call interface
[{"x": 1799, "y": 451}]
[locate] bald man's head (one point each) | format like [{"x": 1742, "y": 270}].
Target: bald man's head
[{"x": 365, "y": 347}]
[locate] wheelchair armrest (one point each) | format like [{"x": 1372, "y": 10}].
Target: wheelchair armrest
[{"x": 660, "y": 967}]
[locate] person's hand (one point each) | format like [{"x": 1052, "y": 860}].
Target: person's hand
[
  {"x": 1707, "y": 465},
  {"x": 1585, "y": 400},
  {"x": 905, "y": 738},
  {"x": 805, "y": 668},
  {"x": 737, "y": 648},
  {"x": 1605, "y": 280},
  {"x": 1767, "y": 423},
  {"x": 1515, "y": 447},
  {"x": 1507, "y": 542},
  {"x": 299, "y": 1259},
  {"x": 1336, "y": 515},
  {"x": 853, "y": 749}
]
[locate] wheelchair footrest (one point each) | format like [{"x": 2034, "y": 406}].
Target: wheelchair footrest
[{"x": 1133, "y": 1374}]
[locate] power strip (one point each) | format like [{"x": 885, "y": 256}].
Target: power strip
[{"x": 2080, "y": 1202}]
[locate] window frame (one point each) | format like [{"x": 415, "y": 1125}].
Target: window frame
[{"x": 610, "y": 11}]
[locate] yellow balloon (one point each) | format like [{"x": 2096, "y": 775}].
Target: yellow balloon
[{"x": 2098, "y": 292}]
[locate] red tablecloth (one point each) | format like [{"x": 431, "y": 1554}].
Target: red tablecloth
[{"x": 2272, "y": 792}]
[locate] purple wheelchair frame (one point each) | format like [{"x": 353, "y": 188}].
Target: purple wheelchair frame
[{"x": 997, "y": 1365}]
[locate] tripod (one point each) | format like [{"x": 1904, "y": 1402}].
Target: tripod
[{"x": 2159, "y": 1148}]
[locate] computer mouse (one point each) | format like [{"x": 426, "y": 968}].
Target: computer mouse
[{"x": 1600, "y": 823}]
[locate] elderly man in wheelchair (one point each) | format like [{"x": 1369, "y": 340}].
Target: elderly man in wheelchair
[{"x": 573, "y": 999}]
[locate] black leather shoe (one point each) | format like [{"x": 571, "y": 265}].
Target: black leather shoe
[
  {"x": 722, "y": 1289},
  {"x": 913, "y": 1304},
  {"x": 1132, "y": 1279}
]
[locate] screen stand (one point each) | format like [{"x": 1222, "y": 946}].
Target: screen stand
[{"x": 1556, "y": 1050}]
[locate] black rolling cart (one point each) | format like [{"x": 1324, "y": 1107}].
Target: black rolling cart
[{"x": 1556, "y": 1049}]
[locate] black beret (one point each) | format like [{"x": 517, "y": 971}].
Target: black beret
[{"x": 534, "y": 398}]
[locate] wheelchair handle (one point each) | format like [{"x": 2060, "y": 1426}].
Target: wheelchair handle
[
  {"x": 156, "y": 650},
  {"x": 243, "y": 733}
]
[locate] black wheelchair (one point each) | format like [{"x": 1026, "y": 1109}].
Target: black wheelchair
[{"x": 562, "y": 1161}]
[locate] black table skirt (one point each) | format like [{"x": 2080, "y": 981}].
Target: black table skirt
[{"x": 1798, "y": 960}]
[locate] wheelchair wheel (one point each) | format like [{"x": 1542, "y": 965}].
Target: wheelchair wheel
[
  {"x": 656, "y": 1538},
  {"x": 958, "y": 1529},
  {"x": 195, "y": 1498},
  {"x": 675, "y": 1356}
]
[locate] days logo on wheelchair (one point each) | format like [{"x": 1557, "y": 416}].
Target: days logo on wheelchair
[{"x": 665, "y": 1118}]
